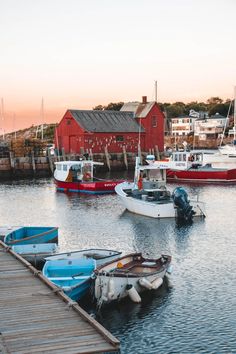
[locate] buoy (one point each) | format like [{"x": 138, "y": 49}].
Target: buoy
[
  {"x": 133, "y": 294},
  {"x": 119, "y": 265},
  {"x": 157, "y": 283},
  {"x": 145, "y": 283},
  {"x": 111, "y": 289}
]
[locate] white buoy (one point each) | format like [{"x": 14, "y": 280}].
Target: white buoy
[
  {"x": 145, "y": 283},
  {"x": 157, "y": 283},
  {"x": 111, "y": 289},
  {"x": 133, "y": 294}
]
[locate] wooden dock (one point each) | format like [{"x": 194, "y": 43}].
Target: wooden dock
[{"x": 37, "y": 317}]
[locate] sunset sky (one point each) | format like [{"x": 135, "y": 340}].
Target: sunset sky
[{"x": 81, "y": 53}]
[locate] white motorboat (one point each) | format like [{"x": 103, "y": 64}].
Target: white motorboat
[
  {"x": 148, "y": 194},
  {"x": 100, "y": 256},
  {"x": 129, "y": 276}
]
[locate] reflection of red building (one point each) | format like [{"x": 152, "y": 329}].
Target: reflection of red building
[{"x": 83, "y": 130}]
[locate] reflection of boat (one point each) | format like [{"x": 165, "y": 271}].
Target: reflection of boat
[
  {"x": 148, "y": 195},
  {"x": 28, "y": 235},
  {"x": 36, "y": 253},
  {"x": 101, "y": 256},
  {"x": 73, "y": 276},
  {"x": 77, "y": 176},
  {"x": 129, "y": 276},
  {"x": 190, "y": 167}
]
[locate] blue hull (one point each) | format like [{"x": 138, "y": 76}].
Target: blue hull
[
  {"x": 72, "y": 276},
  {"x": 82, "y": 191},
  {"x": 30, "y": 234}
]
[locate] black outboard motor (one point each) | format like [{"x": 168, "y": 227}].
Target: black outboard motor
[{"x": 184, "y": 209}]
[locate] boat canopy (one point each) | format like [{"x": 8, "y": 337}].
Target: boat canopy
[{"x": 70, "y": 171}]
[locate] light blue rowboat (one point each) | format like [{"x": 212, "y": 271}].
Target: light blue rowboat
[
  {"x": 36, "y": 253},
  {"x": 73, "y": 276},
  {"x": 31, "y": 235}
]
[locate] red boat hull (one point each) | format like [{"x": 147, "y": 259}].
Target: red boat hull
[
  {"x": 202, "y": 176},
  {"x": 97, "y": 187}
]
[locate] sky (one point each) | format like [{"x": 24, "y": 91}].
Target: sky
[{"x": 81, "y": 53}]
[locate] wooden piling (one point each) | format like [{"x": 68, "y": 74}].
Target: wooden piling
[
  {"x": 107, "y": 157},
  {"x": 157, "y": 152},
  {"x": 63, "y": 154},
  {"x": 50, "y": 161},
  {"x": 33, "y": 161},
  {"x": 125, "y": 157},
  {"x": 12, "y": 161}
]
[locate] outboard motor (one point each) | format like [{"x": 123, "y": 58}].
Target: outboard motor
[{"x": 184, "y": 209}]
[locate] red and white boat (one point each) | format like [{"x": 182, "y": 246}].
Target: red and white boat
[
  {"x": 187, "y": 166},
  {"x": 77, "y": 176}
]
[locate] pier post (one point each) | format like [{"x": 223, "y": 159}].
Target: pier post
[
  {"x": 107, "y": 158},
  {"x": 90, "y": 154},
  {"x": 63, "y": 154},
  {"x": 125, "y": 157},
  {"x": 33, "y": 161},
  {"x": 50, "y": 161},
  {"x": 12, "y": 161},
  {"x": 157, "y": 152}
]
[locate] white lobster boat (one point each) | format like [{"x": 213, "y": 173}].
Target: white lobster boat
[
  {"x": 148, "y": 194},
  {"x": 129, "y": 276}
]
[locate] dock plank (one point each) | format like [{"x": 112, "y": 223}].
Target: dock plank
[{"x": 37, "y": 318}]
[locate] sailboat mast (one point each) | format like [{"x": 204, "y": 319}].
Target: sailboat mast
[
  {"x": 234, "y": 142},
  {"x": 2, "y": 114}
]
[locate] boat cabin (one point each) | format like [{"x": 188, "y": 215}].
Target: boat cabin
[
  {"x": 186, "y": 159},
  {"x": 75, "y": 171}
]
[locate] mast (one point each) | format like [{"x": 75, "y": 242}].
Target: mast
[
  {"x": 234, "y": 142},
  {"x": 2, "y": 116},
  {"x": 155, "y": 91},
  {"x": 42, "y": 117}
]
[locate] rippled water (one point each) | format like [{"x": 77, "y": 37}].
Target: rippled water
[{"x": 195, "y": 311}]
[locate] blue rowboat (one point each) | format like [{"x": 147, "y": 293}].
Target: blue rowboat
[
  {"x": 73, "y": 276},
  {"x": 30, "y": 235},
  {"x": 36, "y": 253}
]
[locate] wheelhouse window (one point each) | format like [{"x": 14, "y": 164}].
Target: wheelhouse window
[
  {"x": 64, "y": 167},
  {"x": 154, "y": 121},
  {"x": 119, "y": 138},
  {"x": 59, "y": 167}
]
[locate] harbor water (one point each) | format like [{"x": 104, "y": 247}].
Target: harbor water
[{"x": 195, "y": 309}]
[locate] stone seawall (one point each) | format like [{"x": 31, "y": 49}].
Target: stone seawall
[{"x": 25, "y": 167}]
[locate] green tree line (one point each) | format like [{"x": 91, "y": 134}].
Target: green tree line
[{"x": 212, "y": 106}]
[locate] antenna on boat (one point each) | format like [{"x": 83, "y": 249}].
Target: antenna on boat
[{"x": 223, "y": 134}]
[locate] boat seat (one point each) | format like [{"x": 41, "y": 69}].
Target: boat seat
[
  {"x": 68, "y": 278},
  {"x": 94, "y": 255}
]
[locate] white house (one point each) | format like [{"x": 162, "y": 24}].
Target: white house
[{"x": 210, "y": 127}]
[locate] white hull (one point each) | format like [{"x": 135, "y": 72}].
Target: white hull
[
  {"x": 102, "y": 286},
  {"x": 113, "y": 282},
  {"x": 157, "y": 210},
  {"x": 220, "y": 160}
]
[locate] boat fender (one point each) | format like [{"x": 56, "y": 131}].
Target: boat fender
[
  {"x": 133, "y": 294},
  {"x": 157, "y": 283},
  {"x": 145, "y": 283},
  {"x": 111, "y": 289}
]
